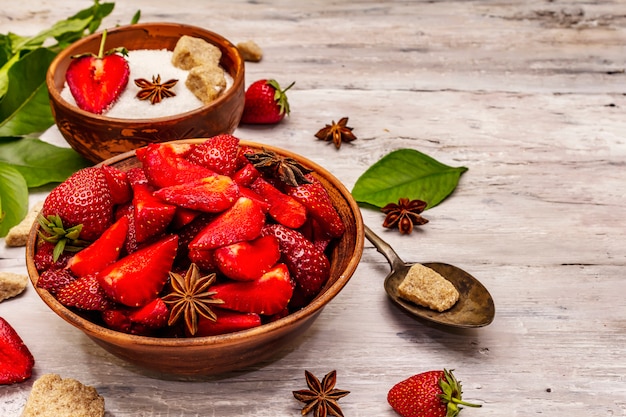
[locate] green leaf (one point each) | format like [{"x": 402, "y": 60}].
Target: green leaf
[
  {"x": 13, "y": 198},
  {"x": 406, "y": 173},
  {"x": 39, "y": 162}
]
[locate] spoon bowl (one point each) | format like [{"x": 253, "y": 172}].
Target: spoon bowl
[{"x": 475, "y": 307}]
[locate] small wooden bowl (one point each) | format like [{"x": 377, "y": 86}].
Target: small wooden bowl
[
  {"x": 98, "y": 137},
  {"x": 219, "y": 354}
]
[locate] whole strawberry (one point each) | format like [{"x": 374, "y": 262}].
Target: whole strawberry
[
  {"x": 429, "y": 394},
  {"x": 96, "y": 81},
  {"x": 265, "y": 103}
]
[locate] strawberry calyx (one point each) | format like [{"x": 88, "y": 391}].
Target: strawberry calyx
[
  {"x": 452, "y": 393},
  {"x": 64, "y": 240},
  {"x": 280, "y": 97},
  {"x": 101, "y": 54}
]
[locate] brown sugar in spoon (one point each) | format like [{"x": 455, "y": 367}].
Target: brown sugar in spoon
[{"x": 475, "y": 307}]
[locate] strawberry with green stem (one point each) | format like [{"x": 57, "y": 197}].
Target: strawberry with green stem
[{"x": 265, "y": 103}]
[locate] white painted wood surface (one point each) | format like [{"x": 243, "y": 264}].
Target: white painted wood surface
[{"x": 530, "y": 96}]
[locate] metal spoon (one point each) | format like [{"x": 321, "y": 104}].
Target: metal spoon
[{"x": 475, "y": 307}]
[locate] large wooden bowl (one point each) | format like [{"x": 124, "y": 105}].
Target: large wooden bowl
[
  {"x": 219, "y": 354},
  {"x": 99, "y": 137}
]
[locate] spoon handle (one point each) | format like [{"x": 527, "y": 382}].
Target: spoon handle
[{"x": 383, "y": 247}]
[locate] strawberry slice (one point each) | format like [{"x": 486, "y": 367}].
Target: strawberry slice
[
  {"x": 218, "y": 153},
  {"x": 246, "y": 174},
  {"x": 84, "y": 293},
  {"x": 16, "y": 361},
  {"x": 268, "y": 294},
  {"x": 153, "y": 315},
  {"x": 210, "y": 194},
  {"x": 97, "y": 81},
  {"x": 118, "y": 184},
  {"x": 151, "y": 214},
  {"x": 165, "y": 166},
  {"x": 318, "y": 203},
  {"x": 139, "y": 277},
  {"x": 285, "y": 209},
  {"x": 246, "y": 261},
  {"x": 307, "y": 264},
  {"x": 102, "y": 252},
  {"x": 242, "y": 221},
  {"x": 227, "y": 322}
]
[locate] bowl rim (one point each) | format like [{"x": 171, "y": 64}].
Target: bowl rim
[
  {"x": 238, "y": 79},
  {"x": 314, "y": 307}
]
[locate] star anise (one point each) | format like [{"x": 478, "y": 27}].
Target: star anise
[
  {"x": 337, "y": 132},
  {"x": 321, "y": 398},
  {"x": 286, "y": 169},
  {"x": 190, "y": 297},
  {"x": 155, "y": 91},
  {"x": 405, "y": 214}
]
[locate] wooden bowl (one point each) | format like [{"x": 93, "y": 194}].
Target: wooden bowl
[
  {"x": 98, "y": 137},
  {"x": 219, "y": 354}
]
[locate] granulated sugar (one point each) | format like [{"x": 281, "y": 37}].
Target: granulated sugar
[{"x": 146, "y": 64}]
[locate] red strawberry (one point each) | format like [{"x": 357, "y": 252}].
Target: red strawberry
[
  {"x": 268, "y": 294},
  {"x": 319, "y": 205},
  {"x": 429, "y": 394},
  {"x": 117, "y": 319},
  {"x": 246, "y": 174},
  {"x": 243, "y": 221},
  {"x": 209, "y": 194},
  {"x": 151, "y": 214},
  {"x": 96, "y": 81},
  {"x": 104, "y": 251},
  {"x": 183, "y": 216},
  {"x": 54, "y": 279},
  {"x": 165, "y": 165},
  {"x": 153, "y": 315},
  {"x": 138, "y": 278},
  {"x": 308, "y": 266},
  {"x": 227, "y": 322},
  {"x": 285, "y": 209},
  {"x": 118, "y": 184},
  {"x": 246, "y": 261},
  {"x": 44, "y": 256},
  {"x": 265, "y": 103},
  {"x": 84, "y": 293},
  {"x": 16, "y": 361},
  {"x": 204, "y": 259},
  {"x": 218, "y": 153}
]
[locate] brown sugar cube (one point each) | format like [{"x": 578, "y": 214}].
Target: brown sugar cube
[
  {"x": 191, "y": 52},
  {"x": 426, "y": 287},
  {"x": 52, "y": 396},
  {"x": 206, "y": 82},
  {"x": 250, "y": 51},
  {"x": 11, "y": 284},
  {"x": 18, "y": 234}
]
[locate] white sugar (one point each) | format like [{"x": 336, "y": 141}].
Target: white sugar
[{"x": 146, "y": 64}]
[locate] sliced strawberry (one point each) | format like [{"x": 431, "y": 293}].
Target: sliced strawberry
[
  {"x": 139, "y": 277},
  {"x": 218, "y": 153},
  {"x": 118, "y": 184},
  {"x": 183, "y": 217},
  {"x": 97, "y": 81},
  {"x": 16, "y": 361},
  {"x": 268, "y": 294},
  {"x": 309, "y": 266},
  {"x": 151, "y": 215},
  {"x": 84, "y": 293},
  {"x": 246, "y": 261},
  {"x": 285, "y": 209},
  {"x": 104, "y": 251},
  {"x": 246, "y": 174},
  {"x": 153, "y": 315},
  {"x": 164, "y": 167},
  {"x": 319, "y": 205},
  {"x": 188, "y": 233},
  {"x": 54, "y": 279},
  {"x": 243, "y": 221},
  {"x": 204, "y": 259},
  {"x": 117, "y": 319},
  {"x": 227, "y": 322},
  {"x": 210, "y": 194}
]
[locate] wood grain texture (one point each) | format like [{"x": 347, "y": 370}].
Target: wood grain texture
[{"x": 530, "y": 96}]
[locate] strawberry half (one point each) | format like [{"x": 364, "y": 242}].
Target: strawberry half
[
  {"x": 97, "y": 81},
  {"x": 265, "y": 103},
  {"x": 211, "y": 194},
  {"x": 285, "y": 209},
  {"x": 151, "y": 214},
  {"x": 429, "y": 394},
  {"x": 218, "y": 153},
  {"x": 246, "y": 261},
  {"x": 267, "y": 295},
  {"x": 227, "y": 322},
  {"x": 16, "y": 361},
  {"x": 164, "y": 165},
  {"x": 139, "y": 277},
  {"x": 84, "y": 293}
]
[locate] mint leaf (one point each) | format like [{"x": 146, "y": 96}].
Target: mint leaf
[
  {"x": 406, "y": 173},
  {"x": 39, "y": 162},
  {"x": 13, "y": 198}
]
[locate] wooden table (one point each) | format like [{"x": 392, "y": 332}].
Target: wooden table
[{"x": 528, "y": 95}]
